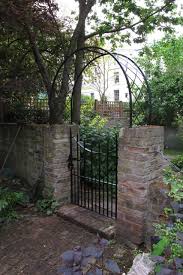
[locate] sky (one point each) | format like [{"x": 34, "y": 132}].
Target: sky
[{"x": 66, "y": 6}]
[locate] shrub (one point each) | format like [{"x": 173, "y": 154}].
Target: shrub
[
  {"x": 8, "y": 201},
  {"x": 178, "y": 161},
  {"x": 175, "y": 180},
  {"x": 97, "y": 138}
]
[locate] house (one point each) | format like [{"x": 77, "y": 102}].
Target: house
[{"x": 106, "y": 81}]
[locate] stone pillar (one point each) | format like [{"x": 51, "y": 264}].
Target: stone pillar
[
  {"x": 56, "y": 172},
  {"x": 139, "y": 166}
]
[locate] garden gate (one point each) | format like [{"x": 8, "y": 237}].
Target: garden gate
[
  {"x": 93, "y": 162},
  {"x": 93, "y": 165}
]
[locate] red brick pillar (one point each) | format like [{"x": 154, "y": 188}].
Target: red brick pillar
[{"x": 139, "y": 166}]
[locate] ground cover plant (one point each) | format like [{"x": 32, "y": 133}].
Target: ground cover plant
[
  {"x": 47, "y": 206},
  {"x": 8, "y": 201},
  {"x": 88, "y": 260},
  {"x": 167, "y": 249},
  {"x": 178, "y": 161}
]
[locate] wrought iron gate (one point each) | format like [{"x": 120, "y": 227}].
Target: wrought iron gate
[{"x": 93, "y": 166}]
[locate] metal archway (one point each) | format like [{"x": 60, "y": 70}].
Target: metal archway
[{"x": 136, "y": 81}]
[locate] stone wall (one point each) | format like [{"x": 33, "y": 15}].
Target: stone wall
[
  {"x": 139, "y": 166},
  {"x": 40, "y": 154}
]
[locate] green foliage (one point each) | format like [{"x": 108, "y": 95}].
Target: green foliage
[
  {"x": 98, "y": 137},
  {"x": 87, "y": 109},
  {"x": 159, "y": 248},
  {"x": 163, "y": 65},
  {"x": 177, "y": 250},
  {"x": 32, "y": 52},
  {"x": 178, "y": 161},
  {"x": 169, "y": 239},
  {"x": 179, "y": 123},
  {"x": 168, "y": 211},
  {"x": 47, "y": 206},
  {"x": 175, "y": 180},
  {"x": 20, "y": 110},
  {"x": 170, "y": 234},
  {"x": 172, "y": 152},
  {"x": 8, "y": 201},
  {"x": 122, "y": 14}
]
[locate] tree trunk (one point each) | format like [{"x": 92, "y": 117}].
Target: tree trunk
[
  {"x": 57, "y": 99},
  {"x": 76, "y": 97},
  {"x": 77, "y": 42},
  {"x": 56, "y": 108}
]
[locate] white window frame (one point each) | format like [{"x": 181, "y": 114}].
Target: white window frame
[
  {"x": 116, "y": 77},
  {"x": 116, "y": 95}
]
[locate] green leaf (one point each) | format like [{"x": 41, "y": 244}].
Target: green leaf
[{"x": 160, "y": 247}]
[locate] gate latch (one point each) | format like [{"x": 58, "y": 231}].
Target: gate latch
[{"x": 70, "y": 162}]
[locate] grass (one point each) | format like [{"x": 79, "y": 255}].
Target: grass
[{"x": 173, "y": 152}]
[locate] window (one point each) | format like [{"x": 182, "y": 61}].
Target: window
[
  {"x": 116, "y": 95},
  {"x": 181, "y": 6},
  {"x": 116, "y": 77},
  {"x": 92, "y": 95},
  {"x": 126, "y": 95}
]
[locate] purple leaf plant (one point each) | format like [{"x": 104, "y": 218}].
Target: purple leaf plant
[{"x": 88, "y": 260}]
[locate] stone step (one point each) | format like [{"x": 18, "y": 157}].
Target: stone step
[{"x": 92, "y": 221}]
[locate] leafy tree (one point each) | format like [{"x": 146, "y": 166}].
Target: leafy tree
[
  {"x": 163, "y": 64},
  {"x": 33, "y": 21}
]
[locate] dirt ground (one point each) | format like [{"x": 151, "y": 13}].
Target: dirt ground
[{"x": 33, "y": 245}]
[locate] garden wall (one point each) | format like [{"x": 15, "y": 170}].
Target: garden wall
[
  {"x": 140, "y": 167},
  {"x": 39, "y": 156}
]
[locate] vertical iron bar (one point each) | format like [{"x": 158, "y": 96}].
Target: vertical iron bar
[
  {"x": 112, "y": 183},
  {"x": 95, "y": 191},
  {"x": 107, "y": 162},
  {"x": 116, "y": 191},
  {"x": 84, "y": 156},
  {"x": 78, "y": 171},
  {"x": 74, "y": 187},
  {"x": 71, "y": 165},
  {"x": 103, "y": 176},
  {"x": 71, "y": 104},
  {"x": 99, "y": 173},
  {"x": 81, "y": 176},
  {"x": 91, "y": 176},
  {"x": 103, "y": 196},
  {"x": 88, "y": 182}
]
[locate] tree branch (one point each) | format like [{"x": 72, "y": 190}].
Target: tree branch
[
  {"x": 127, "y": 27},
  {"x": 39, "y": 61}
]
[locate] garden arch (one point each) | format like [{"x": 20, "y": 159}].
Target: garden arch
[{"x": 137, "y": 83}]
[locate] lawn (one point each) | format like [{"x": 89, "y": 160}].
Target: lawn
[{"x": 173, "y": 153}]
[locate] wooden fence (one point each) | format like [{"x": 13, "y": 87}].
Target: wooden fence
[
  {"x": 24, "y": 109},
  {"x": 112, "y": 109},
  {"x": 37, "y": 110}
]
